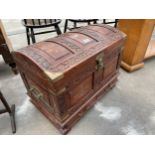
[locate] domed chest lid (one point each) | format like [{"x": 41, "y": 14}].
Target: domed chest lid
[{"x": 62, "y": 53}]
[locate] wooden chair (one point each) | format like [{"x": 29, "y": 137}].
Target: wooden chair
[
  {"x": 11, "y": 112},
  {"x": 76, "y": 21},
  {"x": 6, "y": 48},
  {"x": 32, "y": 24},
  {"x": 115, "y": 21}
]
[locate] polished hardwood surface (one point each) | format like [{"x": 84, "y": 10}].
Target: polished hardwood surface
[{"x": 139, "y": 32}]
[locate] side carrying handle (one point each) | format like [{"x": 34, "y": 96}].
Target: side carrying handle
[
  {"x": 39, "y": 96},
  {"x": 36, "y": 92}
]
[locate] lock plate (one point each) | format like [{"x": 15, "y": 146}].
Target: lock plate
[{"x": 100, "y": 61}]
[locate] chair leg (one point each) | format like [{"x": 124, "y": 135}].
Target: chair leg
[
  {"x": 66, "y": 25},
  {"x": 11, "y": 111},
  {"x": 58, "y": 31},
  {"x": 95, "y": 21},
  {"x": 14, "y": 68},
  {"x": 6, "y": 105},
  {"x": 33, "y": 36},
  {"x": 12, "y": 117},
  {"x": 75, "y": 25},
  {"x": 28, "y": 37},
  {"x": 116, "y": 21}
]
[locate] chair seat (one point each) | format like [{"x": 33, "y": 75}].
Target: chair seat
[
  {"x": 82, "y": 20},
  {"x": 40, "y": 23},
  {"x": 78, "y": 21},
  {"x": 33, "y": 24}
]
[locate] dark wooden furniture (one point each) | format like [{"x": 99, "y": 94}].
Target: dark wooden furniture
[
  {"x": 6, "y": 48},
  {"x": 139, "y": 32},
  {"x": 32, "y": 24},
  {"x": 76, "y": 21},
  {"x": 11, "y": 111},
  {"x": 106, "y": 21},
  {"x": 66, "y": 75}
]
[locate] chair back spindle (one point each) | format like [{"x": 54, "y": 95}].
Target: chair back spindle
[{"x": 32, "y": 24}]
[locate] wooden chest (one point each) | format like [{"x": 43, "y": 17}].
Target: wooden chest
[{"x": 65, "y": 75}]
